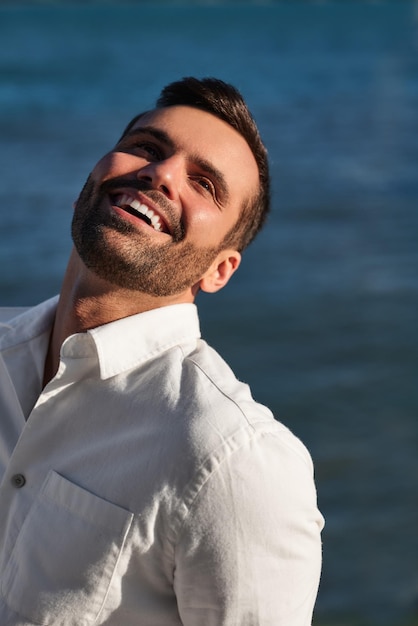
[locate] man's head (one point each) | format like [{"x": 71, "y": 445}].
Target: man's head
[
  {"x": 225, "y": 102},
  {"x": 168, "y": 210}
]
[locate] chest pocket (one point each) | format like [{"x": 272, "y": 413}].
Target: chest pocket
[{"x": 62, "y": 564}]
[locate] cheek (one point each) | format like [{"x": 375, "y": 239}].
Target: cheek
[
  {"x": 113, "y": 165},
  {"x": 209, "y": 227}
]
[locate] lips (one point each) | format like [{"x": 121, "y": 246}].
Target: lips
[{"x": 134, "y": 207}]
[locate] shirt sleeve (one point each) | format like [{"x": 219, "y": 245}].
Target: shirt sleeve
[{"x": 249, "y": 553}]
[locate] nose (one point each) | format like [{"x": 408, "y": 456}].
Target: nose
[{"x": 165, "y": 175}]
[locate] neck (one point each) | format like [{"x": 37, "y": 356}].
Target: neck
[{"x": 87, "y": 301}]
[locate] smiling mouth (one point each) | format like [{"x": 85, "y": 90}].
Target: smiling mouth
[{"x": 142, "y": 211}]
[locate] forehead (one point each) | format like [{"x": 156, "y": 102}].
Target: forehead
[{"x": 200, "y": 134}]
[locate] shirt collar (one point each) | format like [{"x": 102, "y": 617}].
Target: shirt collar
[
  {"x": 133, "y": 340},
  {"x": 119, "y": 345}
]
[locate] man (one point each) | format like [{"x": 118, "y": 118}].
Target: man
[{"x": 141, "y": 483}]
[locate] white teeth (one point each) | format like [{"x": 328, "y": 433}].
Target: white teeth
[
  {"x": 135, "y": 204},
  {"x": 142, "y": 209},
  {"x": 155, "y": 221}
]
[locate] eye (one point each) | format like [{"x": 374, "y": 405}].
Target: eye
[
  {"x": 149, "y": 149},
  {"x": 206, "y": 185}
]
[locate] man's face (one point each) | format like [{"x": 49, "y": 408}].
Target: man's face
[{"x": 154, "y": 211}]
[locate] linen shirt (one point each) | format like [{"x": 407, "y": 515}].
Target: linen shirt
[{"x": 143, "y": 486}]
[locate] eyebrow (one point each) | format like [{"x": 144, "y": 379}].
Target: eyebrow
[
  {"x": 157, "y": 133},
  {"x": 203, "y": 164}
]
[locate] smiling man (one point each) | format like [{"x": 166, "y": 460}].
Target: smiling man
[{"x": 141, "y": 483}]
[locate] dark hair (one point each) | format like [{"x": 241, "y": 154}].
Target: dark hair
[{"x": 225, "y": 102}]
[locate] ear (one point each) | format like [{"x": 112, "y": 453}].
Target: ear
[{"x": 220, "y": 271}]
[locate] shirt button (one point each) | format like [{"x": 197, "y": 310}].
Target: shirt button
[{"x": 18, "y": 481}]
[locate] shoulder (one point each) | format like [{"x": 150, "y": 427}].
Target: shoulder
[
  {"x": 22, "y": 324},
  {"x": 222, "y": 414},
  {"x": 211, "y": 386},
  {"x": 7, "y": 313}
]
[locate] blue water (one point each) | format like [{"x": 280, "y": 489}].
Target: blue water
[{"x": 321, "y": 318}]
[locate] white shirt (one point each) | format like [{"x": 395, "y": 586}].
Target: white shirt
[{"x": 144, "y": 486}]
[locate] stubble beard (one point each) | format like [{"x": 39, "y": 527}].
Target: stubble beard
[{"x": 117, "y": 252}]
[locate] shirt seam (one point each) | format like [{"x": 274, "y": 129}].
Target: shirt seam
[
  {"x": 204, "y": 473},
  {"x": 252, "y": 426},
  {"x": 225, "y": 395}
]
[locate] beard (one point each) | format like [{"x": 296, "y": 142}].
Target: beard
[{"x": 117, "y": 252}]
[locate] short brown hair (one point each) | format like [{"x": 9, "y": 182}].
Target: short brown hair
[{"x": 225, "y": 102}]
